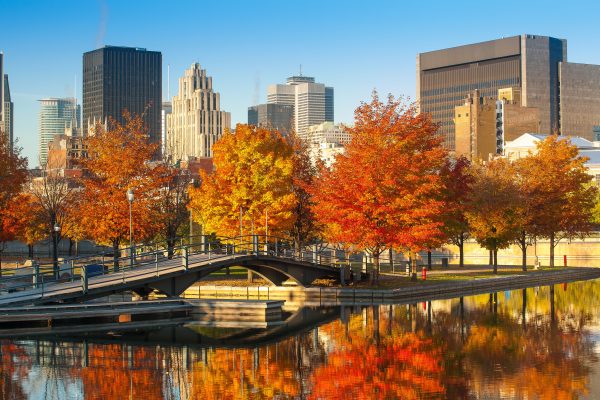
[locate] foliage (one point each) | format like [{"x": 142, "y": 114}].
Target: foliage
[
  {"x": 493, "y": 210},
  {"x": 119, "y": 160},
  {"x": 386, "y": 189},
  {"x": 13, "y": 174},
  {"x": 253, "y": 172}
]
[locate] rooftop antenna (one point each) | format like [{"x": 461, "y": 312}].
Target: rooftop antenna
[{"x": 300, "y": 69}]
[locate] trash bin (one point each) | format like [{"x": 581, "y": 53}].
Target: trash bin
[{"x": 444, "y": 262}]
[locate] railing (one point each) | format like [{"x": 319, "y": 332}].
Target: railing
[{"x": 150, "y": 259}]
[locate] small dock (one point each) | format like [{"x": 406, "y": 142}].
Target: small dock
[
  {"x": 236, "y": 313},
  {"x": 40, "y": 318}
]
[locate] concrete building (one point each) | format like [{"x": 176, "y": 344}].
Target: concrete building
[
  {"x": 66, "y": 151},
  {"x": 276, "y": 116},
  {"x": 116, "y": 79},
  {"x": 6, "y": 105},
  {"x": 484, "y": 124},
  {"x": 56, "y": 115},
  {"x": 325, "y": 152},
  {"x": 166, "y": 110},
  {"x": 529, "y": 62},
  {"x": 579, "y": 100},
  {"x": 196, "y": 121},
  {"x": 527, "y": 143},
  {"x": 313, "y": 102},
  {"x": 328, "y": 132}
]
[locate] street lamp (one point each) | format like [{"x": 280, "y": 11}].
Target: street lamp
[
  {"x": 130, "y": 200},
  {"x": 55, "y": 232}
]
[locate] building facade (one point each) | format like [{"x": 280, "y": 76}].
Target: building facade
[
  {"x": 276, "y": 116},
  {"x": 313, "y": 102},
  {"x": 118, "y": 79},
  {"x": 6, "y": 105},
  {"x": 579, "y": 99},
  {"x": 328, "y": 132},
  {"x": 56, "y": 115},
  {"x": 196, "y": 121},
  {"x": 528, "y": 62},
  {"x": 483, "y": 125},
  {"x": 166, "y": 110}
]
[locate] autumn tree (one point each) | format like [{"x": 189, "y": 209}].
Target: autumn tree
[
  {"x": 493, "y": 211},
  {"x": 119, "y": 160},
  {"x": 457, "y": 183},
  {"x": 305, "y": 227},
  {"x": 13, "y": 174},
  {"x": 557, "y": 186},
  {"x": 24, "y": 218},
  {"x": 253, "y": 169},
  {"x": 172, "y": 203},
  {"x": 385, "y": 190}
]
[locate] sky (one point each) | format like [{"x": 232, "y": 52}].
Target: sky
[{"x": 354, "y": 46}]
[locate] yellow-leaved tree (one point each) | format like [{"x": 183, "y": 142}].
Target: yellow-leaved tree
[{"x": 252, "y": 177}]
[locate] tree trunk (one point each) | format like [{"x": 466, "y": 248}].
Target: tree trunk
[
  {"x": 375, "y": 271},
  {"x": 523, "y": 243},
  {"x": 429, "y": 268},
  {"x": 552, "y": 250},
  {"x": 115, "y": 255},
  {"x": 495, "y": 255},
  {"x": 170, "y": 248},
  {"x": 413, "y": 262},
  {"x": 70, "y": 247},
  {"x": 30, "y": 250},
  {"x": 391, "y": 257},
  {"x": 491, "y": 258},
  {"x": 461, "y": 250}
]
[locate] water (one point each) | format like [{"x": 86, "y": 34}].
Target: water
[{"x": 539, "y": 343}]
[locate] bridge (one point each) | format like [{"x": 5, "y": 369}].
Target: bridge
[{"x": 144, "y": 271}]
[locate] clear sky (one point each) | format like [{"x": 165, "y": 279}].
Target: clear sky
[{"x": 354, "y": 46}]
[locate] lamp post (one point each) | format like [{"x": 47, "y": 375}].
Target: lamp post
[
  {"x": 130, "y": 200},
  {"x": 55, "y": 232}
]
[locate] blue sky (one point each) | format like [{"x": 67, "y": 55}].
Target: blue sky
[{"x": 354, "y": 46}]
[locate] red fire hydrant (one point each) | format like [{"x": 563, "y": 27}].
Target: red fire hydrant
[{"x": 424, "y": 273}]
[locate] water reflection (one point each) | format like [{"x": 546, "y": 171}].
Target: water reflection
[{"x": 537, "y": 343}]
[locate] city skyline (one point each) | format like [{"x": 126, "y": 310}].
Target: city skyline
[{"x": 347, "y": 57}]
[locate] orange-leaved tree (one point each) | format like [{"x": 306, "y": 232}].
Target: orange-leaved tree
[
  {"x": 557, "y": 186},
  {"x": 457, "y": 181},
  {"x": 386, "y": 190},
  {"x": 495, "y": 206},
  {"x": 119, "y": 160},
  {"x": 25, "y": 219},
  {"x": 13, "y": 174},
  {"x": 252, "y": 177}
]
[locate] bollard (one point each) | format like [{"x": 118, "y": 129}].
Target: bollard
[
  {"x": 424, "y": 273},
  {"x": 565, "y": 259},
  {"x": 408, "y": 268},
  {"x": 84, "y": 280},
  {"x": 184, "y": 258}
]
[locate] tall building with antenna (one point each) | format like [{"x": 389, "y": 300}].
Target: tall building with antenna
[
  {"x": 6, "y": 105},
  {"x": 312, "y": 102}
]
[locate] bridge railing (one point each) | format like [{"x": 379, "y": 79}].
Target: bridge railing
[{"x": 152, "y": 258}]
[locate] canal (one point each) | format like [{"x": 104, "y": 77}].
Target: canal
[{"x": 536, "y": 343}]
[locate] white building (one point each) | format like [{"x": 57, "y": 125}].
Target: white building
[
  {"x": 196, "y": 121},
  {"x": 313, "y": 102},
  {"x": 166, "y": 110},
  {"x": 327, "y": 132},
  {"x": 325, "y": 152}
]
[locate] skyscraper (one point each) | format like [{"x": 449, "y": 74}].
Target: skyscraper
[
  {"x": 275, "y": 116},
  {"x": 313, "y": 102},
  {"x": 56, "y": 115},
  {"x": 529, "y": 62},
  {"x": 166, "y": 110},
  {"x": 6, "y": 105},
  {"x": 196, "y": 121},
  {"x": 116, "y": 79}
]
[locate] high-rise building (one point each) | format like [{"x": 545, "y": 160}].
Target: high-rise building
[
  {"x": 166, "y": 110},
  {"x": 116, "y": 79},
  {"x": 196, "y": 121},
  {"x": 275, "y": 116},
  {"x": 483, "y": 125},
  {"x": 579, "y": 99},
  {"x": 529, "y": 62},
  {"x": 313, "y": 102},
  {"x": 8, "y": 116},
  {"x": 55, "y": 116},
  {"x": 6, "y": 105}
]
